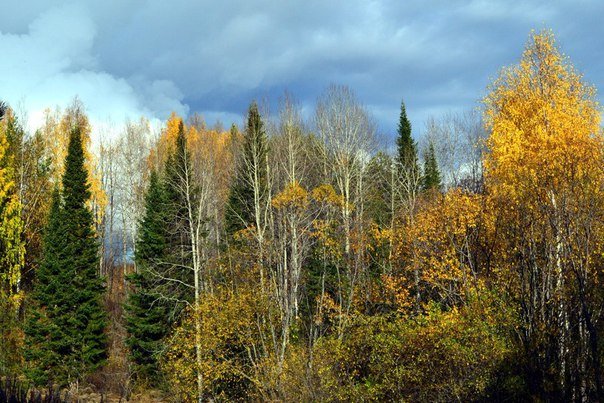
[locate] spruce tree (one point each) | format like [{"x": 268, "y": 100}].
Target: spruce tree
[
  {"x": 431, "y": 178},
  {"x": 406, "y": 147},
  {"x": 46, "y": 340},
  {"x": 70, "y": 320},
  {"x": 147, "y": 316},
  {"x": 179, "y": 191},
  {"x": 163, "y": 258},
  {"x": 87, "y": 316},
  {"x": 250, "y": 173}
]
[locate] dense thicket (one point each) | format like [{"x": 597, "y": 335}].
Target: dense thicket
[{"x": 297, "y": 260}]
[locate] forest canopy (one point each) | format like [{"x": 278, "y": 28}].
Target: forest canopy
[{"x": 295, "y": 259}]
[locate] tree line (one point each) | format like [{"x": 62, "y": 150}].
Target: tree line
[{"x": 301, "y": 260}]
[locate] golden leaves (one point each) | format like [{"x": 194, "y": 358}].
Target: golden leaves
[
  {"x": 544, "y": 124},
  {"x": 293, "y": 196},
  {"x": 211, "y": 154},
  {"x": 326, "y": 194},
  {"x": 437, "y": 245},
  {"x": 232, "y": 333},
  {"x": 11, "y": 223}
]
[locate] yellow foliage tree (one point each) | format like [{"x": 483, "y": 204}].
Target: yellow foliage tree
[
  {"x": 211, "y": 159},
  {"x": 544, "y": 125},
  {"x": 203, "y": 143},
  {"x": 12, "y": 255},
  {"x": 12, "y": 247},
  {"x": 165, "y": 142},
  {"x": 235, "y": 331},
  {"x": 440, "y": 245},
  {"x": 544, "y": 176}
]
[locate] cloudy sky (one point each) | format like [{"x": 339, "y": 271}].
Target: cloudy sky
[{"x": 127, "y": 58}]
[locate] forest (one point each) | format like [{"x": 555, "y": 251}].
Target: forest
[{"x": 303, "y": 258}]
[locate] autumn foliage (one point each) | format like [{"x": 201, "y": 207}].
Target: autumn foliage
[{"x": 294, "y": 260}]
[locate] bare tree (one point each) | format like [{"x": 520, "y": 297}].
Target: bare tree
[
  {"x": 123, "y": 164},
  {"x": 292, "y": 214},
  {"x": 348, "y": 135},
  {"x": 132, "y": 149},
  {"x": 106, "y": 230},
  {"x": 459, "y": 144}
]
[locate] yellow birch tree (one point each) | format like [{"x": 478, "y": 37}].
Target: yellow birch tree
[{"x": 544, "y": 176}]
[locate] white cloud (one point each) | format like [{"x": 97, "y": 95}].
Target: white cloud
[
  {"x": 53, "y": 62},
  {"x": 127, "y": 58}
]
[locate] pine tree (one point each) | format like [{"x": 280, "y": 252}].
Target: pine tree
[
  {"x": 251, "y": 177},
  {"x": 431, "y": 178},
  {"x": 406, "y": 147},
  {"x": 147, "y": 316},
  {"x": 68, "y": 328}
]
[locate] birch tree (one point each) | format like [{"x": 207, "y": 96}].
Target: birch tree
[
  {"x": 348, "y": 135},
  {"x": 544, "y": 175}
]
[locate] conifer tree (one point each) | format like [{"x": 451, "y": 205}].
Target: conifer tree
[
  {"x": 80, "y": 247},
  {"x": 163, "y": 285},
  {"x": 179, "y": 191},
  {"x": 46, "y": 340},
  {"x": 147, "y": 316},
  {"x": 250, "y": 183},
  {"x": 68, "y": 328},
  {"x": 431, "y": 178},
  {"x": 406, "y": 146}
]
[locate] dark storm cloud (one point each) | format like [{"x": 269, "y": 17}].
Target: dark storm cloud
[{"x": 126, "y": 58}]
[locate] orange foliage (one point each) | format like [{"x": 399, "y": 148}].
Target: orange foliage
[{"x": 210, "y": 151}]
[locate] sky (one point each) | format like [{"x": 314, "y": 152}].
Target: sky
[{"x": 127, "y": 58}]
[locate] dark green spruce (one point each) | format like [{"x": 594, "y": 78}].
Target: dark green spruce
[
  {"x": 406, "y": 156},
  {"x": 250, "y": 171},
  {"x": 65, "y": 328},
  {"x": 179, "y": 191},
  {"x": 146, "y": 314},
  {"x": 46, "y": 340},
  {"x": 431, "y": 178}
]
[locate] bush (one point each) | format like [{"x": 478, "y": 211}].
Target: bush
[
  {"x": 439, "y": 356},
  {"x": 235, "y": 329}
]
